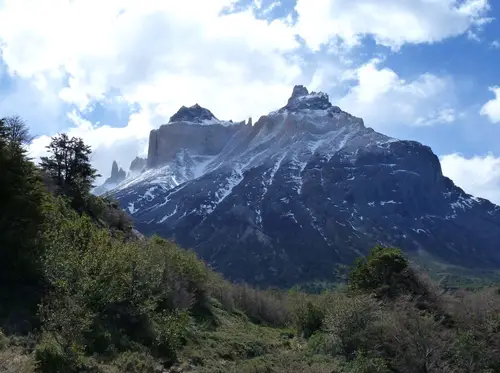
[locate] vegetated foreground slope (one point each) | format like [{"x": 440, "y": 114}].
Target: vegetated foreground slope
[
  {"x": 304, "y": 188},
  {"x": 82, "y": 293}
]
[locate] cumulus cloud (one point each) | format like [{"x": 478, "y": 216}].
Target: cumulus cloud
[
  {"x": 391, "y": 23},
  {"x": 492, "y": 108},
  {"x": 158, "y": 52},
  {"x": 159, "y": 55},
  {"x": 383, "y": 99},
  {"x": 478, "y": 175}
]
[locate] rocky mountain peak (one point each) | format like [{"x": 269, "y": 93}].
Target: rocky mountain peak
[
  {"x": 138, "y": 164},
  {"x": 302, "y": 99},
  {"x": 117, "y": 174},
  {"x": 299, "y": 91},
  {"x": 195, "y": 114}
]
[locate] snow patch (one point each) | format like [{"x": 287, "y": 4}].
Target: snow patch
[
  {"x": 290, "y": 214},
  {"x": 131, "y": 208},
  {"x": 168, "y": 216},
  {"x": 464, "y": 203},
  {"x": 389, "y": 202},
  {"x": 224, "y": 191},
  {"x": 419, "y": 230}
]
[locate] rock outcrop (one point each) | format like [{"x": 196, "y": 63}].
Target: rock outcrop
[
  {"x": 194, "y": 130},
  {"x": 138, "y": 165},
  {"x": 117, "y": 176}
]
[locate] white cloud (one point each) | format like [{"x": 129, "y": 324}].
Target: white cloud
[
  {"x": 495, "y": 44},
  {"x": 123, "y": 143},
  {"x": 478, "y": 175},
  {"x": 157, "y": 53},
  {"x": 383, "y": 99},
  {"x": 492, "y": 108},
  {"x": 445, "y": 115},
  {"x": 161, "y": 54},
  {"x": 391, "y": 23}
]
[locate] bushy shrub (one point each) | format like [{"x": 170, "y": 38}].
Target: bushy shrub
[
  {"x": 14, "y": 360},
  {"x": 366, "y": 364},
  {"x": 414, "y": 340},
  {"x": 477, "y": 320},
  {"x": 469, "y": 353},
  {"x": 108, "y": 213},
  {"x": 321, "y": 343},
  {"x": 52, "y": 357},
  {"x": 261, "y": 306},
  {"x": 136, "y": 362},
  {"x": 309, "y": 318},
  {"x": 113, "y": 296},
  {"x": 386, "y": 272},
  {"x": 348, "y": 319}
]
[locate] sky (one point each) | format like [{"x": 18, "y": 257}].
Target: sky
[{"x": 110, "y": 71}]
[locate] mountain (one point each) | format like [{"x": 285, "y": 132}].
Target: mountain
[
  {"x": 305, "y": 188},
  {"x": 116, "y": 177}
]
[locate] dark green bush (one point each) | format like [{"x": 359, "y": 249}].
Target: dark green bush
[
  {"x": 386, "y": 273},
  {"x": 309, "y": 318}
]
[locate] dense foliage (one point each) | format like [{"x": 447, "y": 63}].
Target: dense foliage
[
  {"x": 82, "y": 293},
  {"x": 21, "y": 204}
]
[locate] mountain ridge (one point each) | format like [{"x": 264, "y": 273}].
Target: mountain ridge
[{"x": 253, "y": 199}]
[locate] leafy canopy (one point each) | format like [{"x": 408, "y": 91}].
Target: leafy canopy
[{"x": 381, "y": 271}]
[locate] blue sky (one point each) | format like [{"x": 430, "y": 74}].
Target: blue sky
[{"x": 110, "y": 71}]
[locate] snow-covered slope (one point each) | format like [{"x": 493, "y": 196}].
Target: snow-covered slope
[{"x": 306, "y": 187}]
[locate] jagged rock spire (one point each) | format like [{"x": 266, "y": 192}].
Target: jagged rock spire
[
  {"x": 117, "y": 174},
  {"x": 114, "y": 169},
  {"x": 301, "y": 99},
  {"x": 195, "y": 113}
]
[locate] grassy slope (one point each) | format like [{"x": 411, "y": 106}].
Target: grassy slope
[{"x": 238, "y": 345}]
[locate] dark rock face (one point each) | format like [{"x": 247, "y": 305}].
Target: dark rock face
[
  {"x": 304, "y": 189},
  {"x": 117, "y": 176},
  {"x": 195, "y": 114}
]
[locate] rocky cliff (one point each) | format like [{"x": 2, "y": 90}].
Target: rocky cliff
[{"x": 194, "y": 130}]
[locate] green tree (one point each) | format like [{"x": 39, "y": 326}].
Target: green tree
[
  {"x": 385, "y": 271},
  {"x": 21, "y": 215},
  {"x": 68, "y": 165},
  {"x": 17, "y": 130}
]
